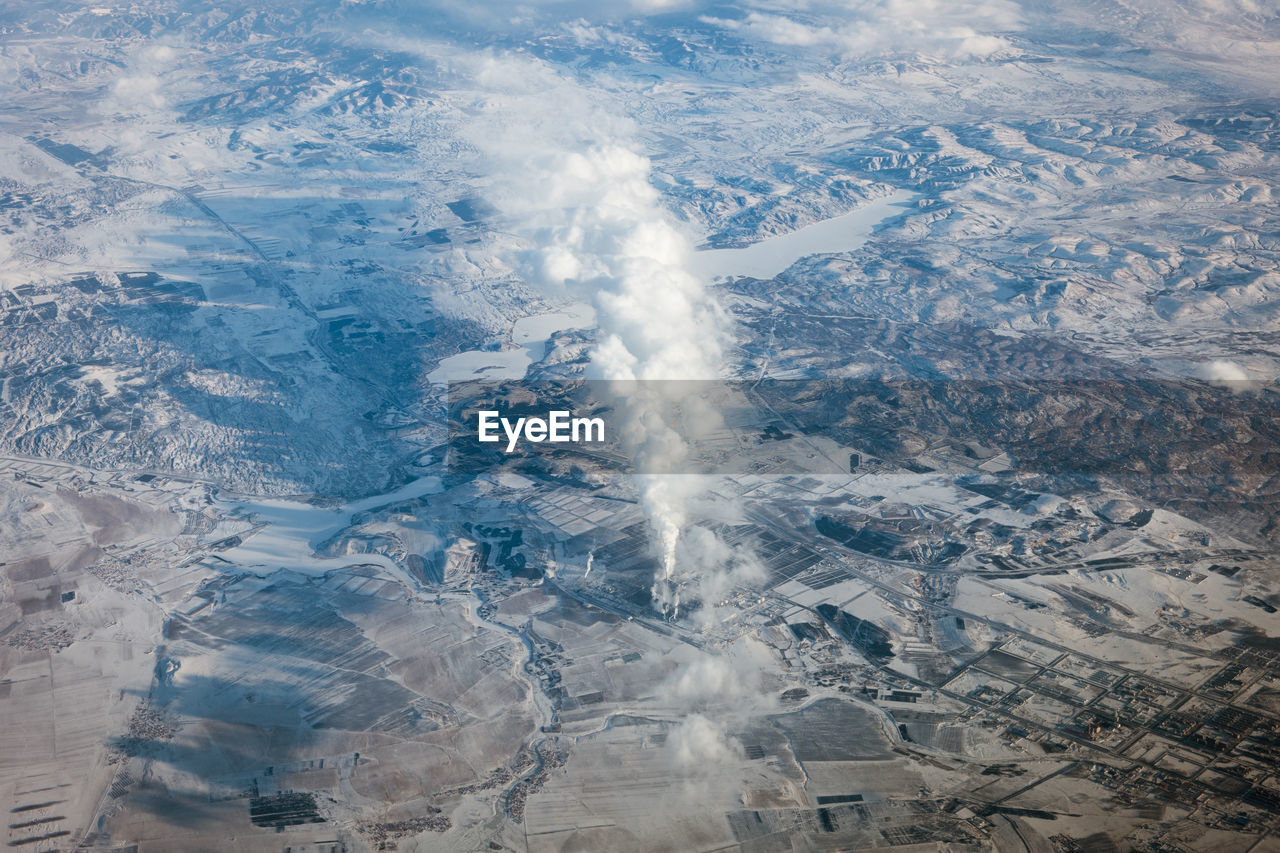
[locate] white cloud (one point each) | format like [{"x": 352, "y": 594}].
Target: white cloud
[
  {"x": 866, "y": 29},
  {"x": 1227, "y": 371},
  {"x": 141, "y": 88},
  {"x": 1237, "y": 41},
  {"x": 657, "y": 7},
  {"x": 135, "y": 91}
]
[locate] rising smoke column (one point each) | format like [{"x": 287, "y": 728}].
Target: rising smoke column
[
  {"x": 570, "y": 183},
  {"x": 658, "y": 325},
  {"x": 584, "y": 200}
]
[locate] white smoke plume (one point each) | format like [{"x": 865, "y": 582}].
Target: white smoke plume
[
  {"x": 711, "y": 680},
  {"x": 720, "y": 569},
  {"x": 577, "y": 190},
  {"x": 713, "y": 694},
  {"x": 699, "y": 744}
]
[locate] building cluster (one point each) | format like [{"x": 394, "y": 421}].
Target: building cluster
[
  {"x": 548, "y": 758},
  {"x": 51, "y": 638},
  {"x": 384, "y": 835}
]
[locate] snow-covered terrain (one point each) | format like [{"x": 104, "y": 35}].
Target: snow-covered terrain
[{"x": 998, "y": 286}]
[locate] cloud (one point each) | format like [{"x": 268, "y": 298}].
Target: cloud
[
  {"x": 464, "y": 19},
  {"x": 1235, "y": 41},
  {"x": 142, "y": 90},
  {"x": 1226, "y": 371},
  {"x": 658, "y": 7},
  {"x": 141, "y": 87},
  {"x": 961, "y": 30}
]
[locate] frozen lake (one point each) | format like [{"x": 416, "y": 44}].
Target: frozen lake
[
  {"x": 531, "y": 333},
  {"x": 769, "y": 258}
]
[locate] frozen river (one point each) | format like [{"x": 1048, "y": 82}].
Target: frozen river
[{"x": 295, "y": 529}]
